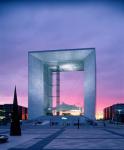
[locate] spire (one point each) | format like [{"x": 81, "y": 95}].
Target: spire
[
  {"x": 15, "y": 129},
  {"x": 15, "y": 102}
]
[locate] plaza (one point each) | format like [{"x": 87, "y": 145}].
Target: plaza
[{"x": 87, "y": 137}]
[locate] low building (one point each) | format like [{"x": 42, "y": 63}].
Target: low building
[
  {"x": 66, "y": 109},
  {"x": 114, "y": 113},
  {"x": 6, "y": 110}
]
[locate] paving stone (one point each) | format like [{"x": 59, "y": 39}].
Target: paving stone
[{"x": 86, "y": 144}]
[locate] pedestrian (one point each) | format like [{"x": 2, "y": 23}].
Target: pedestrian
[{"x": 104, "y": 123}]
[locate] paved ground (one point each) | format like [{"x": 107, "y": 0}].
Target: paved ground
[{"x": 66, "y": 138}]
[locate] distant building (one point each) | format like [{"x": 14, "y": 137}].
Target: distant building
[
  {"x": 6, "y": 110},
  {"x": 66, "y": 109},
  {"x": 114, "y": 113}
]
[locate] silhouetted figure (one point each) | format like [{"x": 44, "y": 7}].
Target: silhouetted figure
[
  {"x": 50, "y": 122},
  {"x": 15, "y": 129},
  {"x": 104, "y": 123},
  {"x": 78, "y": 124}
]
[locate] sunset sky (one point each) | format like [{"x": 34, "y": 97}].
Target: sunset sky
[{"x": 45, "y": 26}]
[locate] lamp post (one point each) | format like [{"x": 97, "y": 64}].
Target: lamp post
[
  {"x": 119, "y": 112},
  {"x": 49, "y": 111}
]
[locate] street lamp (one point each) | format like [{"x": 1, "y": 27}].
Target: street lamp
[{"x": 119, "y": 112}]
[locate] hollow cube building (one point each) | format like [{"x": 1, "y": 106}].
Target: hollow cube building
[{"x": 41, "y": 65}]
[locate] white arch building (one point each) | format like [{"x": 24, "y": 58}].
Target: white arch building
[{"x": 41, "y": 64}]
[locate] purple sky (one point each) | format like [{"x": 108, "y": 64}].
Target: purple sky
[{"x": 25, "y": 27}]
